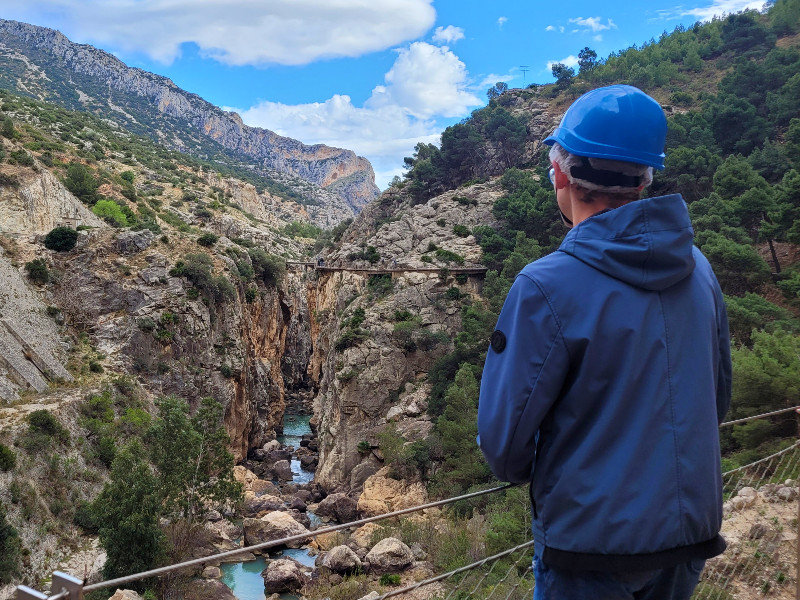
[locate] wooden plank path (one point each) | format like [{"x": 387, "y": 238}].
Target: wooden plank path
[{"x": 385, "y": 270}]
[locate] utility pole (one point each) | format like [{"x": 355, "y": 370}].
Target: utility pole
[{"x": 524, "y": 69}]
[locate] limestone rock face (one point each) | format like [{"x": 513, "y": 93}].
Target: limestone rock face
[
  {"x": 341, "y": 559},
  {"x": 376, "y": 377},
  {"x": 41, "y": 203},
  {"x": 390, "y": 555},
  {"x": 283, "y": 575},
  {"x": 383, "y": 494},
  {"x": 273, "y": 526},
  {"x": 134, "y": 98}
]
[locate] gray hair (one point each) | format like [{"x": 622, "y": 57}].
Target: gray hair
[{"x": 566, "y": 161}]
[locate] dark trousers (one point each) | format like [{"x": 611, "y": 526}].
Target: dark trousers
[{"x": 673, "y": 583}]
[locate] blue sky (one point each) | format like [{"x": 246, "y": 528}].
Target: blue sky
[{"x": 374, "y": 76}]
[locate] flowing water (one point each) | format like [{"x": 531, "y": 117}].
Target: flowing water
[{"x": 244, "y": 578}]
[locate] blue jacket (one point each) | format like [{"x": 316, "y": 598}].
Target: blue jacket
[{"x": 604, "y": 386}]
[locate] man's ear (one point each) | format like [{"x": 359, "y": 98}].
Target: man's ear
[{"x": 562, "y": 180}]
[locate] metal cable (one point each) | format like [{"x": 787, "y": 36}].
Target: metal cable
[
  {"x": 753, "y": 418},
  {"x": 282, "y": 541},
  {"x": 763, "y": 460},
  {"x": 454, "y": 572}
]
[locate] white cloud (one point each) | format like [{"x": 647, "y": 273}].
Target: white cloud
[
  {"x": 502, "y": 21},
  {"x": 598, "y": 37},
  {"x": 448, "y": 35},
  {"x": 721, "y": 7},
  {"x": 594, "y": 23},
  {"x": 254, "y": 32},
  {"x": 425, "y": 82},
  {"x": 491, "y": 79},
  {"x": 570, "y": 61},
  {"x": 549, "y": 28}
]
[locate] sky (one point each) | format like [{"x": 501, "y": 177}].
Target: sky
[{"x": 372, "y": 76}]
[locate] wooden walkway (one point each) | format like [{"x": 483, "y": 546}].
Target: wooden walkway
[{"x": 387, "y": 270}]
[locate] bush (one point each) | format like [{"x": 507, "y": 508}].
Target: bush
[
  {"x": 351, "y": 337},
  {"x": 146, "y": 323},
  {"x": 37, "y": 271},
  {"x": 250, "y": 295},
  {"x": 390, "y": 579},
  {"x": 226, "y": 371},
  {"x": 461, "y": 230},
  {"x": 8, "y": 460},
  {"x": 269, "y": 267},
  {"x": 207, "y": 239},
  {"x": 380, "y": 285},
  {"x": 364, "y": 447},
  {"x": 453, "y": 293},
  {"x": 449, "y": 256},
  {"x": 111, "y": 212},
  {"x": 20, "y": 157},
  {"x": 61, "y": 239}
]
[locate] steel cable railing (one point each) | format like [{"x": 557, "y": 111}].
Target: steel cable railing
[{"x": 758, "y": 471}]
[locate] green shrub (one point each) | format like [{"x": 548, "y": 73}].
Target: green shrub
[
  {"x": 145, "y": 323},
  {"x": 20, "y": 157},
  {"x": 464, "y": 201},
  {"x": 453, "y": 293},
  {"x": 111, "y": 212},
  {"x": 250, "y": 294},
  {"x": 351, "y": 337},
  {"x": 461, "y": 230},
  {"x": 364, "y": 446},
  {"x": 461, "y": 278},
  {"x": 207, "y": 239},
  {"x": 61, "y": 239},
  {"x": 380, "y": 285},
  {"x": 8, "y": 459},
  {"x": 441, "y": 222},
  {"x": 127, "y": 176},
  {"x": 95, "y": 367},
  {"x": 390, "y": 579},
  {"x": 226, "y": 371},
  {"x": 269, "y": 267},
  {"x": 403, "y": 315},
  {"x": 426, "y": 259},
  {"x": 449, "y": 256},
  {"x": 37, "y": 271},
  {"x": 370, "y": 254}
]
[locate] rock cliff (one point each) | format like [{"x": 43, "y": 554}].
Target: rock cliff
[{"x": 43, "y": 63}]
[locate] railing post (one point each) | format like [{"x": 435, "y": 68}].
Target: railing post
[{"x": 63, "y": 581}]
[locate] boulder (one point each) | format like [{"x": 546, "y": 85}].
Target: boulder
[
  {"x": 341, "y": 559},
  {"x": 211, "y": 573},
  {"x": 258, "y": 506},
  {"x": 273, "y": 526},
  {"x": 390, "y": 555},
  {"x": 208, "y": 589},
  {"x": 297, "y": 504},
  {"x": 383, "y": 494},
  {"x": 371, "y": 596},
  {"x": 271, "y": 446},
  {"x": 363, "y": 535},
  {"x": 309, "y": 462},
  {"x": 283, "y": 575},
  {"x": 125, "y": 595},
  {"x": 282, "y": 470},
  {"x": 262, "y": 486},
  {"x": 338, "y": 506},
  {"x": 244, "y": 476},
  {"x": 131, "y": 242}
]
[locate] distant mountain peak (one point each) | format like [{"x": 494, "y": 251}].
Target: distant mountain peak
[{"x": 43, "y": 63}]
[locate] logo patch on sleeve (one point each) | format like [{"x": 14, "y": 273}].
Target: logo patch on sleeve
[{"x": 498, "y": 341}]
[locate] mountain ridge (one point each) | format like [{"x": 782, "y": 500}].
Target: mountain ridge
[{"x": 45, "y": 64}]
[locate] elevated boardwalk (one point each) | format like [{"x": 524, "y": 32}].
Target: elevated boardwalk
[{"x": 385, "y": 270}]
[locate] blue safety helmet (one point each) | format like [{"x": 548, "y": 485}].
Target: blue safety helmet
[{"x": 618, "y": 122}]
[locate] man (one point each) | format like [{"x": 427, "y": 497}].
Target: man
[{"x": 609, "y": 371}]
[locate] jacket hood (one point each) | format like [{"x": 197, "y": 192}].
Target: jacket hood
[{"x": 647, "y": 243}]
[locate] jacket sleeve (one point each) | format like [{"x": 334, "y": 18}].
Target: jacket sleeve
[
  {"x": 521, "y": 381},
  {"x": 724, "y": 369}
]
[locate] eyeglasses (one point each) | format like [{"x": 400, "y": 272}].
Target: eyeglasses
[{"x": 552, "y": 175}]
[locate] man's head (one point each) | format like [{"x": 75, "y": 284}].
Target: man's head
[{"x": 605, "y": 149}]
